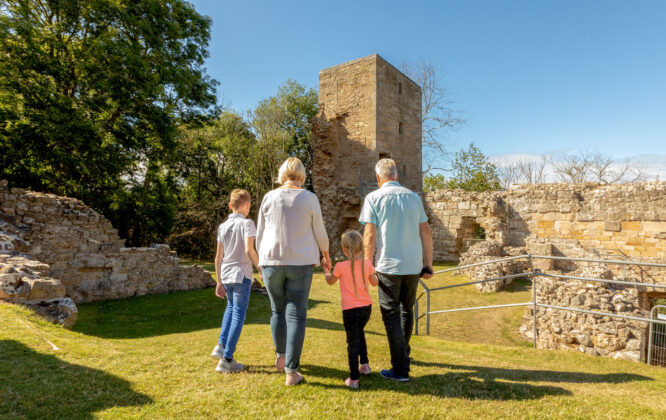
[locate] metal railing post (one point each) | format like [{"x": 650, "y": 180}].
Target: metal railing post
[
  {"x": 534, "y": 301},
  {"x": 428, "y": 312},
  {"x": 649, "y": 354}
]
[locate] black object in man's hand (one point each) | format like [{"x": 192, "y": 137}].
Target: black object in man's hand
[{"x": 426, "y": 270}]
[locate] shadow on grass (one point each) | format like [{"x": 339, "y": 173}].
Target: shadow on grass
[
  {"x": 322, "y": 324},
  {"x": 36, "y": 385},
  {"x": 177, "y": 312},
  {"x": 542, "y": 375},
  {"x": 473, "y": 382}
]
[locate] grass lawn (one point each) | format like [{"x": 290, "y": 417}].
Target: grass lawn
[{"x": 148, "y": 357}]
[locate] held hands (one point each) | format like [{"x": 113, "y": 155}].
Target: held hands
[
  {"x": 220, "y": 291},
  {"x": 326, "y": 264}
]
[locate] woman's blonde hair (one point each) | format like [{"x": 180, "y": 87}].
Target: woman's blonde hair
[
  {"x": 352, "y": 241},
  {"x": 291, "y": 170}
]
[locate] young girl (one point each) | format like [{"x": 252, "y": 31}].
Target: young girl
[{"x": 354, "y": 275}]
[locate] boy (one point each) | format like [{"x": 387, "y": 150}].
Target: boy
[{"x": 233, "y": 266}]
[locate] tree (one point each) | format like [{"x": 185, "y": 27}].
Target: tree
[
  {"x": 472, "y": 171},
  {"x": 282, "y": 124},
  {"x": 434, "y": 182},
  {"x": 213, "y": 160},
  {"x": 437, "y": 114},
  {"x": 586, "y": 166},
  {"x": 526, "y": 170},
  {"x": 91, "y": 92}
]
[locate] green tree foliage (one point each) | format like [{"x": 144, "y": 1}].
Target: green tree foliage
[
  {"x": 472, "y": 171},
  {"x": 91, "y": 92},
  {"x": 213, "y": 160},
  {"x": 233, "y": 152},
  {"x": 282, "y": 123},
  {"x": 434, "y": 182}
]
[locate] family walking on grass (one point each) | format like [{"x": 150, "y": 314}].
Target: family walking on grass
[{"x": 291, "y": 237}]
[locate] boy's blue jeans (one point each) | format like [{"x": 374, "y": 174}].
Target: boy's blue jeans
[
  {"x": 238, "y": 297},
  {"x": 288, "y": 289}
]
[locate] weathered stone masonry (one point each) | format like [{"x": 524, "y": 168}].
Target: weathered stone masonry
[
  {"x": 56, "y": 247},
  {"x": 626, "y": 217},
  {"x": 368, "y": 110},
  {"x": 619, "y": 222}
]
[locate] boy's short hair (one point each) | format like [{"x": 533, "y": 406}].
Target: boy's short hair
[
  {"x": 386, "y": 169},
  {"x": 237, "y": 198},
  {"x": 291, "y": 170}
]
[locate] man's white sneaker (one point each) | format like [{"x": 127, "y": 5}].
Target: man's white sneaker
[
  {"x": 218, "y": 352},
  {"x": 229, "y": 367}
]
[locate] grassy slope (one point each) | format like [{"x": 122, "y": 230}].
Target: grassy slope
[{"x": 148, "y": 357}]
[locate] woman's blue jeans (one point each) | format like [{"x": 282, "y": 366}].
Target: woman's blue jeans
[
  {"x": 288, "y": 289},
  {"x": 238, "y": 297}
]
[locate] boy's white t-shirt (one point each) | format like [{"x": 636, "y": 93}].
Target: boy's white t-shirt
[{"x": 231, "y": 234}]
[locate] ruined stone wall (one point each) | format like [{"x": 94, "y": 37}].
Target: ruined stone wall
[
  {"x": 80, "y": 249},
  {"x": 608, "y": 222},
  {"x": 367, "y": 110},
  {"x": 626, "y": 217}
]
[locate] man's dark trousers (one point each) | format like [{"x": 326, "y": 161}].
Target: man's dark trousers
[{"x": 396, "y": 301}]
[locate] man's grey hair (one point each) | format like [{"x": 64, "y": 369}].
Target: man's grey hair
[{"x": 386, "y": 169}]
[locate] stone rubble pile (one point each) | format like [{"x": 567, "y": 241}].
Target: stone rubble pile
[
  {"x": 489, "y": 250},
  {"x": 588, "y": 333}
]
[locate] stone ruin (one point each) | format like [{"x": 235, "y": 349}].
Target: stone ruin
[
  {"x": 369, "y": 110},
  {"x": 609, "y": 222},
  {"x": 56, "y": 252}
]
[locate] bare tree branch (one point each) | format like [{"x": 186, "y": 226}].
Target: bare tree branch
[
  {"x": 437, "y": 114},
  {"x": 586, "y": 166}
]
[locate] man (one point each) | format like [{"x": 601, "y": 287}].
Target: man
[{"x": 396, "y": 226}]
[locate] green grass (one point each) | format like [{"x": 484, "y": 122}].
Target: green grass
[
  {"x": 148, "y": 357},
  {"x": 490, "y": 326}
]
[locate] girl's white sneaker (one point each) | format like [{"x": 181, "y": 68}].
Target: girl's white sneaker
[{"x": 365, "y": 369}]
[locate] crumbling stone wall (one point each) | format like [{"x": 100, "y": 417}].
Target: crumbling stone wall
[
  {"x": 73, "y": 245},
  {"x": 627, "y": 217},
  {"x": 610, "y": 222},
  {"x": 592, "y": 334},
  {"x": 367, "y": 110}
]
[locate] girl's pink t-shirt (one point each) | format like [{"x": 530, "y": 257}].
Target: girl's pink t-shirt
[{"x": 350, "y": 299}]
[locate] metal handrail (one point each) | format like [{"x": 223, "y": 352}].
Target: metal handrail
[
  {"x": 626, "y": 283},
  {"x": 554, "y": 257},
  {"x": 533, "y": 275},
  {"x": 462, "y": 267}
]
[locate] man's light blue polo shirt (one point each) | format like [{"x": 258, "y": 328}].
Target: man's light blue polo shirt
[{"x": 397, "y": 212}]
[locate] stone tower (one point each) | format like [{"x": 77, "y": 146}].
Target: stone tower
[{"x": 368, "y": 110}]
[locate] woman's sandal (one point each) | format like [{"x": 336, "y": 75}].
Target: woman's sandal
[{"x": 294, "y": 379}]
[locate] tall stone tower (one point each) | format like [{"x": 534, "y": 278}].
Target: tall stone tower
[{"x": 368, "y": 110}]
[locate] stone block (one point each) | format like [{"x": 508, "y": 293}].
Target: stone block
[
  {"x": 61, "y": 311},
  {"x": 45, "y": 288}
]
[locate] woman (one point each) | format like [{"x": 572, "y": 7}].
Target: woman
[{"x": 290, "y": 235}]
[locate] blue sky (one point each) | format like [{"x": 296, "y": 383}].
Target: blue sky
[{"x": 532, "y": 77}]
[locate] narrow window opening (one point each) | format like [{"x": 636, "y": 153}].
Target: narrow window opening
[
  {"x": 400, "y": 88},
  {"x": 399, "y": 128}
]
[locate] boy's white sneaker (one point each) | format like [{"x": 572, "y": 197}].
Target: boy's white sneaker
[
  {"x": 218, "y": 352},
  {"x": 229, "y": 367}
]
